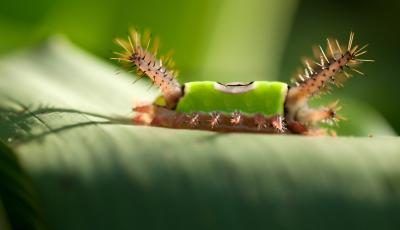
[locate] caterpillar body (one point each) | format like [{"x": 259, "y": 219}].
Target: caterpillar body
[{"x": 259, "y": 106}]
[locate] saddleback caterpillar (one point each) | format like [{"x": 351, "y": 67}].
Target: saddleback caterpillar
[{"x": 258, "y": 106}]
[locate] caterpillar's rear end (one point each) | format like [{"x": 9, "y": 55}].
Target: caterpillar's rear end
[{"x": 298, "y": 118}]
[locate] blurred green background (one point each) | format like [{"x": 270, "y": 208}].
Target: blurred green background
[{"x": 225, "y": 40}]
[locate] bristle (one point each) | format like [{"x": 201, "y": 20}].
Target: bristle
[
  {"x": 359, "y": 54},
  {"x": 353, "y": 49},
  {"x": 301, "y": 77},
  {"x": 118, "y": 53},
  {"x": 350, "y": 41},
  {"x": 156, "y": 46},
  {"x": 331, "y": 49},
  {"x": 306, "y": 74},
  {"x": 121, "y": 43},
  {"x": 357, "y": 71},
  {"x": 362, "y": 48},
  {"x": 318, "y": 64},
  {"x": 346, "y": 74},
  {"x": 130, "y": 43},
  {"x": 322, "y": 62},
  {"x": 309, "y": 67},
  {"x": 352, "y": 62},
  {"x": 167, "y": 59},
  {"x": 338, "y": 45},
  {"x": 335, "y": 105},
  {"x": 365, "y": 60},
  {"x": 323, "y": 53},
  {"x": 147, "y": 39},
  {"x": 136, "y": 37}
]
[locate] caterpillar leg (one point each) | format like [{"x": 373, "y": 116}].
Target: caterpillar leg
[{"x": 154, "y": 115}]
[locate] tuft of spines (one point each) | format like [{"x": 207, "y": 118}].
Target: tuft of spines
[
  {"x": 141, "y": 54},
  {"x": 236, "y": 118},
  {"x": 194, "y": 119},
  {"x": 326, "y": 115},
  {"x": 215, "y": 119},
  {"x": 330, "y": 68}
]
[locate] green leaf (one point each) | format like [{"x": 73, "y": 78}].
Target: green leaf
[
  {"x": 18, "y": 201},
  {"x": 4, "y": 223},
  {"x": 66, "y": 116}
]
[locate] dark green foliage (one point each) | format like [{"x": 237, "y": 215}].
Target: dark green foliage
[{"x": 17, "y": 193}]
